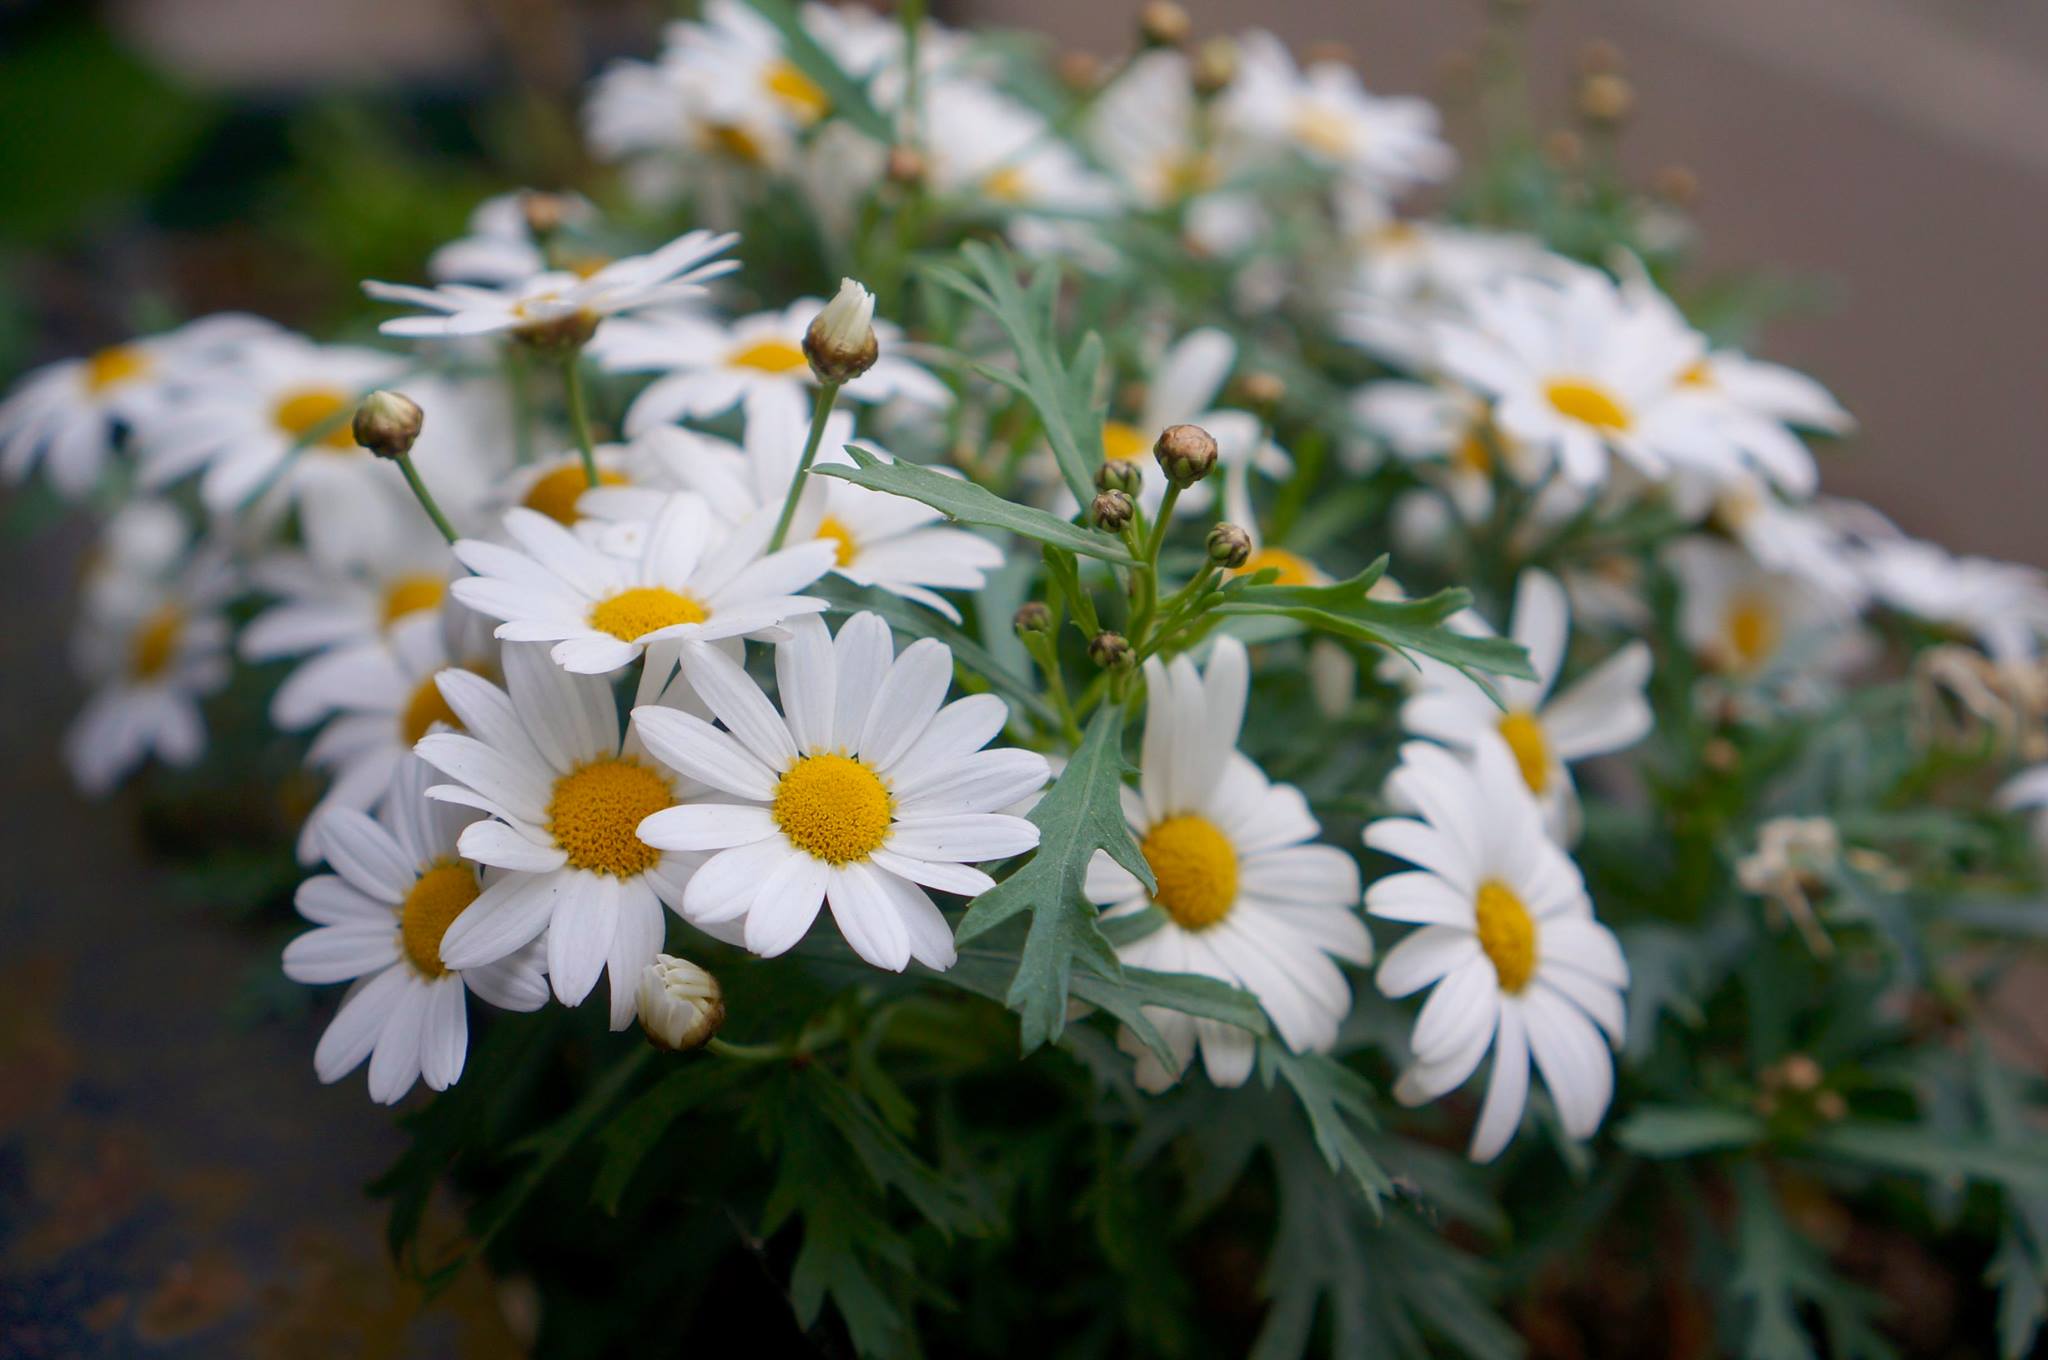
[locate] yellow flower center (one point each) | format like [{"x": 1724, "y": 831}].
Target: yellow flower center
[
  {"x": 1524, "y": 736},
  {"x": 1122, "y": 443},
  {"x": 583, "y": 265},
  {"x": 156, "y": 642},
  {"x": 556, "y": 492},
  {"x": 834, "y": 808},
  {"x": 1323, "y": 131},
  {"x": 734, "y": 141},
  {"x": 115, "y": 365},
  {"x": 304, "y": 410},
  {"x": 796, "y": 90},
  {"x": 1507, "y": 933},
  {"x": 425, "y": 708},
  {"x": 1474, "y": 453},
  {"x": 1588, "y": 403},
  {"x": 412, "y": 594},
  {"x": 773, "y": 355},
  {"x": 596, "y": 812},
  {"x": 1750, "y": 628},
  {"x": 845, "y": 549},
  {"x": 1007, "y": 184},
  {"x": 632, "y": 614},
  {"x": 1294, "y": 569},
  {"x": 1196, "y": 869},
  {"x": 1186, "y": 175},
  {"x": 1701, "y": 374},
  {"x": 439, "y": 896}
]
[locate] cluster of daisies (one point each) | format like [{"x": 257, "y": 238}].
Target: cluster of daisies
[{"x": 581, "y": 686}]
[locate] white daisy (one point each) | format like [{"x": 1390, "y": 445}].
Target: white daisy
[
  {"x": 545, "y": 758},
  {"x": 380, "y": 919},
  {"x": 1508, "y": 939},
  {"x": 535, "y": 304},
  {"x": 1247, "y": 895},
  {"x": 708, "y": 367},
  {"x": 315, "y": 606},
  {"x": 1412, "y": 276},
  {"x": 862, "y": 791},
  {"x": 1750, "y": 623},
  {"x": 500, "y": 247},
  {"x": 983, "y": 146},
  {"x": 1326, "y": 114},
  {"x": 2002, "y": 604},
  {"x": 1601, "y": 712},
  {"x": 153, "y": 638},
  {"x": 602, "y": 609},
  {"x": 1794, "y": 538}
]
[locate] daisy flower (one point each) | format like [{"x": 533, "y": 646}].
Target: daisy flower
[
  {"x": 1547, "y": 731},
  {"x": 1247, "y": 895},
  {"x": 500, "y": 247},
  {"x": 862, "y": 791},
  {"x": 379, "y": 922},
  {"x": 601, "y": 609},
  {"x": 708, "y": 367},
  {"x": 153, "y": 639},
  {"x": 983, "y": 145},
  {"x": 545, "y": 758},
  {"x": 540, "y": 304},
  {"x": 1508, "y": 941},
  {"x": 2002, "y": 604},
  {"x": 67, "y": 417},
  {"x": 315, "y": 606},
  {"x": 1326, "y": 114},
  {"x": 1795, "y": 539},
  {"x": 1412, "y": 276},
  {"x": 1746, "y": 621}
]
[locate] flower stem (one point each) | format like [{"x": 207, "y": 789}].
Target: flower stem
[
  {"x": 426, "y": 499},
  {"x": 579, "y": 414},
  {"x": 828, "y": 393},
  {"x": 747, "y": 1052}
]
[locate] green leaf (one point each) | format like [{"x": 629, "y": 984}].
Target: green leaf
[
  {"x": 632, "y": 1134},
  {"x": 1780, "y": 1276},
  {"x": 1687, "y": 1130},
  {"x": 1081, "y": 814},
  {"x": 1063, "y": 392},
  {"x": 969, "y": 503},
  {"x": 1338, "y": 1102},
  {"x": 1348, "y": 610},
  {"x": 2020, "y": 1167},
  {"x": 2022, "y": 1294},
  {"x": 893, "y": 1165},
  {"x": 848, "y": 100}
]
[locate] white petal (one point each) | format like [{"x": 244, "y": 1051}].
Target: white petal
[
  {"x": 966, "y": 838},
  {"x": 1508, "y": 1092},
  {"x": 580, "y": 934},
  {"x": 706, "y": 826},
  {"x": 1423, "y": 958},
  {"x": 505, "y": 916},
  {"x": 786, "y": 904}
]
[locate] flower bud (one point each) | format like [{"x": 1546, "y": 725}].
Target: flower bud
[
  {"x": 1162, "y": 23},
  {"x": 1111, "y": 511},
  {"x": 545, "y": 214},
  {"x": 1606, "y": 98},
  {"x": 681, "y": 1006},
  {"x": 1230, "y": 547},
  {"x": 1263, "y": 389},
  {"x": 1079, "y": 71},
  {"x": 1119, "y": 474},
  {"x": 1214, "y": 67},
  {"x": 1109, "y": 650},
  {"x": 1032, "y": 617},
  {"x": 387, "y": 423},
  {"x": 841, "y": 341},
  {"x": 906, "y": 165},
  {"x": 1186, "y": 453}
]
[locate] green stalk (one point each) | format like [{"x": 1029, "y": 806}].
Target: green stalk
[
  {"x": 425, "y": 498},
  {"x": 828, "y": 393},
  {"x": 579, "y": 414}
]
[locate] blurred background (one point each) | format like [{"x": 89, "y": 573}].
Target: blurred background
[{"x": 171, "y": 1175}]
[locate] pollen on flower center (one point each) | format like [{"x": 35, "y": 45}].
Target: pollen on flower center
[
  {"x": 633, "y": 614},
  {"x": 412, "y": 594},
  {"x": 1122, "y": 443},
  {"x": 1196, "y": 868},
  {"x": 1294, "y": 569},
  {"x": 1474, "y": 453},
  {"x": 797, "y": 90},
  {"x": 1589, "y": 403},
  {"x": 423, "y": 709},
  {"x": 1751, "y": 628},
  {"x": 835, "y": 533},
  {"x": 115, "y": 365},
  {"x": 555, "y": 493},
  {"x": 1507, "y": 933},
  {"x": 303, "y": 410},
  {"x": 439, "y": 896},
  {"x": 1321, "y": 130},
  {"x": 156, "y": 642},
  {"x": 773, "y": 355},
  {"x": 1007, "y": 184},
  {"x": 596, "y": 812},
  {"x": 834, "y": 808},
  {"x": 1524, "y": 736}
]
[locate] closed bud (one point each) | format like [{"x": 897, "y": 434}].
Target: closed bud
[
  {"x": 387, "y": 423},
  {"x": 1109, "y": 650},
  {"x": 1032, "y": 617},
  {"x": 1214, "y": 67},
  {"x": 1606, "y": 98},
  {"x": 1186, "y": 453},
  {"x": 1677, "y": 184},
  {"x": 841, "y": 340},
  {"x": 1800, "y": 1072},
  {"x": 1830, "y": 1106},
  {"x": 1080, "y": 71},
  {"x": 906, "y": 165},
  {"x": 1111, "y": 510},
  {"x": 1162, "y": 23},
  {"x": 545, "y": 214},
  {"x": 1263, "y": 389},
  {"x": 1119, "y": 474},
  {"x": 681, "y": 1006},
  {"x": 1230, "y": 547}
]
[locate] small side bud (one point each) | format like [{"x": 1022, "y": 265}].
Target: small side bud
[
  {"x": 1079, "y": 71},
  {"x": 1801, "y": 1073},
  {"x": 1263, "y": 389},
  {"x": 1032, "y": 617},
  {"x": 1606, "y": 99},
  {"x": 1119, "y": 474},
  {"x": 1677, "y": 185},
  {"x": 1186, "y": 453},
  {"x": 1162, "y": 23},
  {"x": 841, "y": 340},
  {"x": 906, "y": 165},
  {"x": 1111, "y": 511},
  {"x": 1109, "y": 650},
  {"x": 1214, "y": 67},
  {"x": 681, "y": 1006},
  {"x": 1230, "y": 547},
  {"x": 387, "y": 423},
  {"x": 545, "y": 214}
]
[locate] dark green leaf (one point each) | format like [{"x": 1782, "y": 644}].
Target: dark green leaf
[
  {"x": 1687, "y": 1130},
  {"x": 969, "y": 503},
  {"x": 847, "y": 99},
  {"x": 2021, "y": 1168}
]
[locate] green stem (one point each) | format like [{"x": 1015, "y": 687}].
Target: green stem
[
  {"x": 579, "y": 414},
  {"x": 1044, "y": 650},
  {"x": 828, "y": 393},
  {"x": 519, "y": 382},
  {"x": 748, "y": 1052},
  {"x": 426, "y": 499}
]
